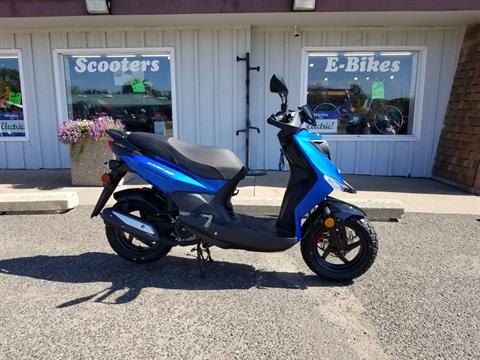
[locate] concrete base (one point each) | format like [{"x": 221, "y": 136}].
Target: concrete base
[
  {"x": 377, "y": 210},
  {"x": 38, "y": 202},
  {"x": 88, "y": 159}
]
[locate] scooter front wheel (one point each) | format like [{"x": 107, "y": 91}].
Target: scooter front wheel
[{"x": 324, "y": 258}]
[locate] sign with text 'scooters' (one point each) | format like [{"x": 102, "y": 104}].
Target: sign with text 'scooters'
[{"x": 83, "y": 64}]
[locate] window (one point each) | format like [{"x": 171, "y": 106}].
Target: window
[
  {"x": 12, "y": 118},
  {"x": 135, "y": 88},
  {"x": 362, "y": 92}
]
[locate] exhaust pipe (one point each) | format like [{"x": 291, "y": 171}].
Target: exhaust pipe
[{"x": 133, "y": 225}]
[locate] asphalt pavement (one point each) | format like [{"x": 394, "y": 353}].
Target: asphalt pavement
[{"x": 65, "y": 295}]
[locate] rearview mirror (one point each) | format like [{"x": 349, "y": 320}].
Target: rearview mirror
[{"x": 277, "y": 85}]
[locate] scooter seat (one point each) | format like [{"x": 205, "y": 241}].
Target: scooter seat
[{"x": 205, "y": 161}]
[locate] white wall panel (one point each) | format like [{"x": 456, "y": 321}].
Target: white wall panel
[
  {"x": 257, "y": 104},
  {"x": 347, "y": 155},
  {"x": 206, "y": 100},
  {"x": 380, "y": 158},
  {"x": 363, "y": 156},
  {"x": 33, "y": 148},
  {"x": 433, "y": 39},
  {"x": 46, "y": 105},
  {"x": 115, "y": 39}
]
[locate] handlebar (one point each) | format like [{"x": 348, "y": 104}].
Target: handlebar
[
  {"x": 278, "y": 117},
  {"x": 292, "y": 120},
  {"x": 282, "y": 121}
]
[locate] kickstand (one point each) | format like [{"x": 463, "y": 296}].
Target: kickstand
[
  {"x": 209, "y": 255},
  {"x": 201, "y": 259}
]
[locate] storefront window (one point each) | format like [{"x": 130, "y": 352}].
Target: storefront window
[
  {"x": 12, "y": 122},
  {"x": 362, "y": 93},
  {"x": 133, "y": 88}
]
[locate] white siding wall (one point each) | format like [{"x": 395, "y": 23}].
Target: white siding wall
[
  {"x": 278, "y": 51},
  {"x": 210, "y": 90},
  {"x": 209, "y": 86}
]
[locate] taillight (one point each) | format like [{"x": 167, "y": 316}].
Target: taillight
[
  {"x": 106, "y": 179},
  {"x": 110, "y": 144}
]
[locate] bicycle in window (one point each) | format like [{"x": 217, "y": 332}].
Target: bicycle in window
[{"x": 384, "y": 118}]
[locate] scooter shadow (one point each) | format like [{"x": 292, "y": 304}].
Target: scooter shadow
[{"x": 172, "y": 272}]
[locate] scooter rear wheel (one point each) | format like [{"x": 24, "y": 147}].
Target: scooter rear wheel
[
  {"x": 125, "y": 244},
  {"x": 322, "y": 257}
]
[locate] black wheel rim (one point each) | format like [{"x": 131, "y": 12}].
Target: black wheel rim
[{"x": 329, "y": 257}]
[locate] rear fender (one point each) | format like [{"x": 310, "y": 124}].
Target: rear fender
[
  {"x": 145, "y": 195},
  {"x": 119, "y": 169}
]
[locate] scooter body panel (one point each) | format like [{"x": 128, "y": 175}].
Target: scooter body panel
[
  {"x": 326, "y": 173},
  {"x": 168, "y": 178}
]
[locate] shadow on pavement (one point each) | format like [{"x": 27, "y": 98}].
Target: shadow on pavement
[
  {"x": 35, "y": 179},
  {"x": 172, "y": 272}
]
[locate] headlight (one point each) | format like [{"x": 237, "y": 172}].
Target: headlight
[
  {"x": 338, "y": 185},
  {"x": 334, "y": 183}
]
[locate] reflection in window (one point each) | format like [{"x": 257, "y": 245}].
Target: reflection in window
[
  {"x": 12, "y": 122},
  {"x": 362, "y": 92},
  {"x": 133, "y": 88}
]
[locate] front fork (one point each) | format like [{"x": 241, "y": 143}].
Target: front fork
[{"x": 336, "y": 229}]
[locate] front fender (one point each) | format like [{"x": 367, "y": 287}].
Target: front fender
[
  {"x": 338, "y": 209},
  {"x": 343, "y": 210}
]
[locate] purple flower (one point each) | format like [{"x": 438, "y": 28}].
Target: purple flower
[{"x": 71, "y": 131}]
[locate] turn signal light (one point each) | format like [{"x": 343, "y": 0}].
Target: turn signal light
[
  {"x": 329, "y": 223},
  {"x": 106, "y": 179}
]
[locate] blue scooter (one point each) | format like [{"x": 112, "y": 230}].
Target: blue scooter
[{"x": 189, "y": 202}]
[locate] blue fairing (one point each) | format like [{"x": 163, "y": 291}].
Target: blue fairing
[
  {"x": 168, "y": 178},
  {"x": 322, "y": 166}
]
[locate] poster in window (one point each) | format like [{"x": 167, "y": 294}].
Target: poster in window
[{"x": 12, "y": 122}]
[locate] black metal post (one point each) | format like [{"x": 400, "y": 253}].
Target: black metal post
[{"x": 248, "y": 124}]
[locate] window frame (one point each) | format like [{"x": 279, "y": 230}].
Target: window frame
[
  {"x": 59, "y": 73},
  {"x": 419, "y": 89},
  {"x": 18, "y": 54}
]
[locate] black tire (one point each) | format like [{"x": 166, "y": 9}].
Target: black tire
[
  {"x": 364, "y": 258},
  {"x": 124, "y": 245}
]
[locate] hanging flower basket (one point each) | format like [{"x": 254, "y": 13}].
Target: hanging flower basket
[{"x": 88, "y": 147}]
